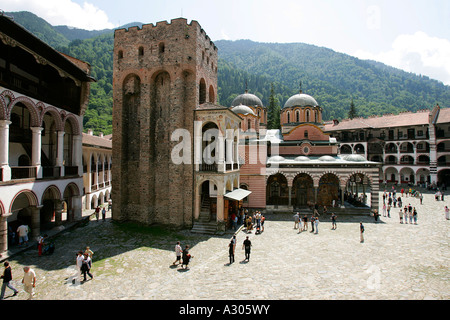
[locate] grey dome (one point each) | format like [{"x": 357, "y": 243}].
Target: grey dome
[
  {"x": 247, "y": 99},
  {"x": 276, "y": 159},
  {"x": 355, "y": 158},
  {"x": 301, "y": 100},
  {"x": 302, "y": 158},
  {"x": 244, "y": 110},
  {"x": 327, "y": 158}
]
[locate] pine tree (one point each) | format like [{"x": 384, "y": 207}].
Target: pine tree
[
  {"x": 273, "y": 111},
  {"x": 352, "y": 112}
]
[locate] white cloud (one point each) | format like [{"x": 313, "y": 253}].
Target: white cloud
[
  {"x": 63, "y": 12},
  {"x": 418, "y": 53}
]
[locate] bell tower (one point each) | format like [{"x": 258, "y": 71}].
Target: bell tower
[{"x": 162, "y": 74}]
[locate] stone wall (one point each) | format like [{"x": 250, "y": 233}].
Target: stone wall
[{"x": 162, "y": 73}]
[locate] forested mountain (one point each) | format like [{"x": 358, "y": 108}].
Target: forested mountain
[{"x": 332, "y": 78}]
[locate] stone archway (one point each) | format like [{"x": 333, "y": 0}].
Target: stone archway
[
  {"x": 303, "y": 190},
  {"x": 328, "y": 190},
  {"x": 277, "y": 192}
]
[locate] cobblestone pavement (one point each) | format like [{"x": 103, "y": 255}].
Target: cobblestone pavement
[{"x": 396, "y": 261}]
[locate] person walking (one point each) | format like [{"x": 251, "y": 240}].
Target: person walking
[
  {"x": 312, "y": 223},
  {"x": 178, "y": 252},
  {"x": 78, "y": 263},
  {"x": 447, "y": 213},
  {"x": 305, "y": 222},
  {"x": 361, "y": 232},
  {"x": 316, "y": 225},
  {"x": 333, "y": 221},
  {"x": 22, "y": 231},
  {"x": 29, "y": 281},
  {"x": 186, "y": 258},
  {"x": 89, "y": 252},
  {"x": 7, "y": 277},
  {"x": 86, "y": 267},
  {"x": 415, "y": 215},
  {"x": 247, "y": 246},
  {"x": 41, "y": 243},
  {"x": 296, "y": 220},
  {"x": 231, "y": 251},
  {"x": 400, "y": 215},
  {"x": 97, "y": 212},
  {"x": 104, "y": 213}
]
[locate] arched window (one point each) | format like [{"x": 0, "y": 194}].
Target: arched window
[
  {"x": 307, "y": 115},
  {"x": 297, "y": 116},
  {"x": 288, "y": 117},
  {"x": 306, "y": 134},
  {"x": 202, "y": 91}
]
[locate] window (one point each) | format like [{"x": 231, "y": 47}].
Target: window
[
  {"x": 297, "y": 116},
  {"x": 162, "y": 47},
  {"x": 306, "y": 134},
  {"x": 307, "y": 115},
  {"x": 120, "y": 54},
  {"x": 141, "y": 51},
  {"x": 288, "y": 117}
]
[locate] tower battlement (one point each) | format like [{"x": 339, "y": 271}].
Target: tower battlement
[{"x": 162, "y": 25}]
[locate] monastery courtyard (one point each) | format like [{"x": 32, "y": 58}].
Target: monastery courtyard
[{"x": 396, "y": 261}]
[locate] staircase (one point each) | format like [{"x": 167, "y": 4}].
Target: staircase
[{"x": 205, "y": 224}]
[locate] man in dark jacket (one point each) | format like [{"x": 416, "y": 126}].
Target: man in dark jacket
[{"x": 7, "y": 277}]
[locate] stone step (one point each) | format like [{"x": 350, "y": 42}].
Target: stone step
[{"x": 204, "y": 227}]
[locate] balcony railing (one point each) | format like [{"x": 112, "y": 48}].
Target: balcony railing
[
  {"x": 70, "y": 170},
  {"x": 51, "y": 172},
  {"x": 23, "y": 173},
  {"x": 208, "y": 167}
]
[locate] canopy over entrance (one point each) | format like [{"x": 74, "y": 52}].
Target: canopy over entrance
[{"x": 237, "y": 194}]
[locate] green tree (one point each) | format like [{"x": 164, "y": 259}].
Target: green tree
[
  {"x": 352, "y": 112},
  {"x": 273, "y": 110}
]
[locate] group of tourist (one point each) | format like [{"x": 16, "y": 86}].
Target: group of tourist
[
  {"x": 28, "y": 280},
  {"x": 182, "y": 256},
  {"x": 247, "y": 244},
  {"x": 83, "y": 265},
  {"x": 255, "y": 221}
]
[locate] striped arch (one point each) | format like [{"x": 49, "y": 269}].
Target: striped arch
[
  {"x": 368, "y": 176},
  {"x": 30, "y": 105},
  {"x": 74, "y": 188},
  {"x": 76, "y": 130},
  {"x": 2, "y": 209},
  {"x": 3, "y": 108},
  {"x": 56, "y": 116},
  {"x": 5, "y": 98},
  {"x": 32, "y": 198},
  {"x": 54, "y": 191}
]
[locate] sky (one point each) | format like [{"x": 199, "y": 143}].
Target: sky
[{"x": 413, "y": 35}]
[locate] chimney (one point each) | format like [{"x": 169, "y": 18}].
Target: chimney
[
  {"x": 90, "y": 132},
  {"x": 101, "y": 135}
]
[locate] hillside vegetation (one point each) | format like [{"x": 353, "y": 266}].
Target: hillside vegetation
[{"x": 332, "y": 78}]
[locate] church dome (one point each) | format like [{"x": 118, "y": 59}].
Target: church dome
[
  {"x": 327, "y": 158},
  {"x": 355, "y": 158},
  {"x": 242, "y": 109},
  {"x": 302, "y": 158},
  {"x": 276, "y": 159},
  {"x": 247, "y": 99},
  {"x": 301, "y": 100}
]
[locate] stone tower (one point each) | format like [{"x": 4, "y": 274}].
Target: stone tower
[{"x": 162, "y": 73}]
